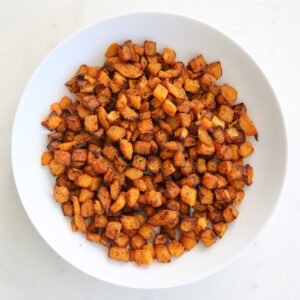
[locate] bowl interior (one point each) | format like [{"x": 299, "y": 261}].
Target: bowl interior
[{"x": 188, "y": 38}]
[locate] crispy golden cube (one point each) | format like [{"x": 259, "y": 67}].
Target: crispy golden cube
[
  {"x": 142, "y": 147},
  {"x": 100, "y": 221},
  {"x": 209, "y": 180},
  {"x": 118, "y": 253},
  {"x": 161, "y": 239},
  {"x": 126, "y": 148},
  {"x": 61, "y": 194},
  {"x": 225, "y": 113},
  {"x": 185, "y": 119},
  {"x": 104, "y": 79},
  {"x": 130, "y": 222},
  {"x": 137, "y": 242},
  {"x": 175, "y": 248},
  {"x": 145, "y": 126},
  {"x": 132, "y": 196},
  {"x": 74, "y": 123},
  {"x": 227, "y": 95},
  {"x": 84, "y": 180},
  {"x": 187, "y": 224},
  {"x": 198, "y": 64},
  {"x": 220, "y": 228},
  {"x": 188, "y": 242},
  {"x": 188, "y": 195},
  {"x": 116, "y": 133},
  {"x": 202, "y": 224},
  {"x": 207, "y": 81},
  {"x": 222, "y": 195},
  {"x": 154, "y": 164},
  {"x": 245, "y": 149},
  {"x": 64, "y": 102},
  {"x": 138, "y": 49},
  {"x": 150, "y": 48},
  {"x": 208, "y": 237},
  {"x": 206, "y": 196},
  {"x": 56, "y": 108},
  {"x": 91, "y": 123},
  {"x": 56, "y": 168},
  {"x": 169, "y": 108},
  {"x": 46, "y": 158},
  {"x": 154, "y": 198},
  {"x": 93, "y": 237},
  {"x": 112, "y": 50},
  {"x": 85, "y": 194},
  {"x": 225, "y": 167},
  {"x": 62, "y": 157},
  {"x": 140, "y": 184},
  {"x": 162, "y": 253},
  {"x": 52, "y": 121},
  {"x": 201, "y": 165},
  {"x": 87, "y": 209},
  {"x": 192, "y": 86},
  {"x": 177, "y": 92},
  {"x": 134, "y": 173},
  {"x": 212, "y": 166},
  {"x": 68, "y": 209},
  {"x": 223, "y": 152},
  {"x": 143, "y": 257},
  {"x": 214, "y": 69},
  {"x": 146, "y": 231},
  {"x": 230, "y": 213},
  {"x": 113, "y": 229},
  {"x": 167, "y": 168},
  {"x": 122, "y": 240},
  {"x": 179, "y": 159},
  {"x": 169, "y": 56},
  {"x": 100, "y": 165},
  {"x": 79, "y": 155}
]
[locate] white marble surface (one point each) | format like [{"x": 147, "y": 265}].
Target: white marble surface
[{"x": 269, "y": 31}]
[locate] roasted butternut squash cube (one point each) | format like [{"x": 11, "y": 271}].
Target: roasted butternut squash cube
[
  {"x": 113, "y": 229},
  {"x": 214, "y": 69},
  {"x": 175, "y": 248},
  {"x": 230, "y": 213},
  {"x": 220, "y": 228},
  {"x": 227, "y": 95},
  {"x": 52, "y": 121},
  {"x": 146, "y": 231},
  {"x": 150, "y": 48},
  {"x": 188, "y": 242},
  {"x": 198, "y": 64},
  {"x": 143, "y": 257},
  {"x": 188, "y": 195},
  {"x": 130, "y": 222},
  {"x": 169, "y": 56},
  {"x": 137, "y": 242},
  {"x": 208, "y": 237},
  {"x": 245, "y": 149},
  {"x": 162, "y": 253},
  {"x": 116, "y": 133},
  {"x": 118, "y": 253}
]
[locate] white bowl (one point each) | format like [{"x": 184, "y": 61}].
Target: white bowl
[{"x": 188, "y": 37}]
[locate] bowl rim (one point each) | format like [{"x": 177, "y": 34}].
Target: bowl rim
[{"x": 276, "y": 102}]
